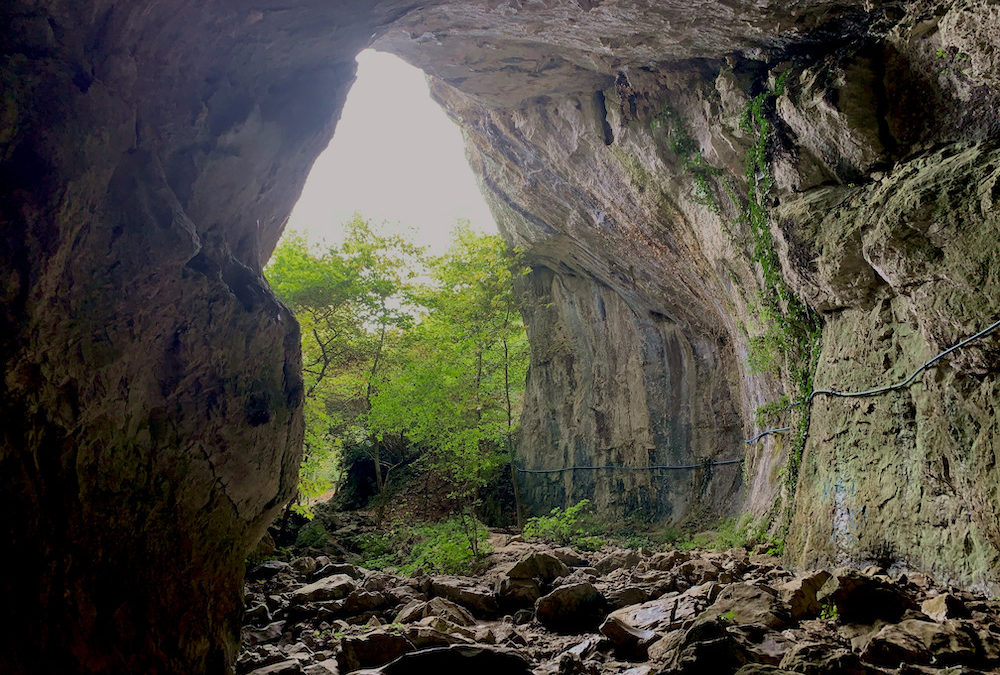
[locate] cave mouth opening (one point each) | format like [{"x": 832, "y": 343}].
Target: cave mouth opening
[
  {"x": 395, "y": 159},
  {"x": 390, "y": 241}
]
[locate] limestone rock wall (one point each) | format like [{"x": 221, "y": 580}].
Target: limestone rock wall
[{"x": 151, "y": 391}]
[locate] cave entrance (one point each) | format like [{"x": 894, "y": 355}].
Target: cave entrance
[
  {"x": 395, "y": 158},
  {"x": 404, "y": 290}
]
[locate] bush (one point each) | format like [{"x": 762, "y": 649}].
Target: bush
[
  {"x": 560, "y": 527},
  {"x": 312, "y": 535},
  {"x": 450, "y": 546}
]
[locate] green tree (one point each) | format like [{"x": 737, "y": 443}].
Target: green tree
[
  {"x": 456, "y": 390},
  {"x": 348, "y": 299}
]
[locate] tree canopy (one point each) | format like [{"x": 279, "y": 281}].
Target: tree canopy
[{"x": 406, "y": 357}]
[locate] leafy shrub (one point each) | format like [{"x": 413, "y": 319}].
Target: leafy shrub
[
  {"x": 450, "y": 546},
  {"x": 312, "y": 535},
  {"x": 560, "y": 527}
]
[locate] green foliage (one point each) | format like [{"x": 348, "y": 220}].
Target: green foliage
[
  {"x": 829, "y": 612},
  {"x": 456, "y": 386},
  {"x": 406, "y": 358},
  {"x": 741, "y": 532},
  {"x": 450, "y": 546},
  {"x": 346, "y": 299},
  {"x": 683, "y": 145},
  {"x": 563, "y": 527},
  {"x": 788, "y": 334},
  {"x": 312, "y": 535}
]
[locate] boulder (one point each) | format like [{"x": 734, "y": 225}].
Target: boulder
[
  {"x": 477, "y": 660},
  {"x": 821, "y": 658},
  {"x": 800, "y": 594},
  {"x": 286, "y": 667},
  {"x": 922, "y": 642},
  {"x": 863, "y": 599},
  {"x": 629, "y": 641},
  {"x": 425, "y": 637},
  {"x": 372, "y": 649},
  {"x": 304, "y": 565},
  {"x": 625, "y": 597},
  {"x": 667, "y": 561},
  {"x": 658, "y": 616},
  {"x": 542, "y": 566},
  {"x": 569, "y": 557},
  {"x": 572, "y": 607},
  {"x": 707, "y": 648},
  {"x": 359, "y": 601},
  {"x": 514, "y": 594},
  {"x": 444, "y": 626},
  {"x": 619, "y": 560},
  {"x": 268, "y": 570},
  {"x": 944, "y": 606},
  {"x": 748, "y": 604},
  {"x": 446, "y": 609},
  {"x": 479, "y": 599},
  {"x": 334, "y": 587},
  {"x": 342, "y": 568}
]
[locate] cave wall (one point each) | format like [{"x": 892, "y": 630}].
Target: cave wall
[
  {"x": 151, "y": 151},
  {"x": 882, "y": 156},
  {"x": 151, "y": 398}
]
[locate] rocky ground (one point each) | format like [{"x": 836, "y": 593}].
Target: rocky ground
[{"x": 546, "y": 610}]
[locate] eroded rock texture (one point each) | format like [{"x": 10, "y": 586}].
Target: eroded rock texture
[{"x": 150, "y": 153}]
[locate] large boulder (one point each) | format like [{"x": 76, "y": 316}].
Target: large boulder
[
  {"x": 859, "y": 598},
  {"x": 334, "y": 587},
  {"x": 544, "y": 567},
  {"x": 923, "y": 642},
  {"x": 456, "y": 659},
  {"x": 800, "y": 594},
  {"x": 373, "y": 649},
  {"x": 573, "y": 607},
  {"x": 749, "y": 604},
  {"x": 479, "y": 599}
]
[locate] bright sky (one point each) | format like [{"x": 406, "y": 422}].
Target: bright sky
[{"x": 395, "y": 157}]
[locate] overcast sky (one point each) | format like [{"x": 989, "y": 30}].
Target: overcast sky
[{"x": 395, "y": 156}]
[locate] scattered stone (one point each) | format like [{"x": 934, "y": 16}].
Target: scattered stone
[
  {"x": 573, "y": 607},
  {"x": 476, "y": 660},
  {"x": 334, "y": 587},
  {"x": 476, "y": 597},
  {"x": 372, "y": 649},
  {"x": 542, "y": 566}
]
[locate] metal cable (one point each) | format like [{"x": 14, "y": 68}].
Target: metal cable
[
  {"x": 655, "y": 467},
  {"x": 879, "y": 390},
  {"x": 767, "y": 432}
]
